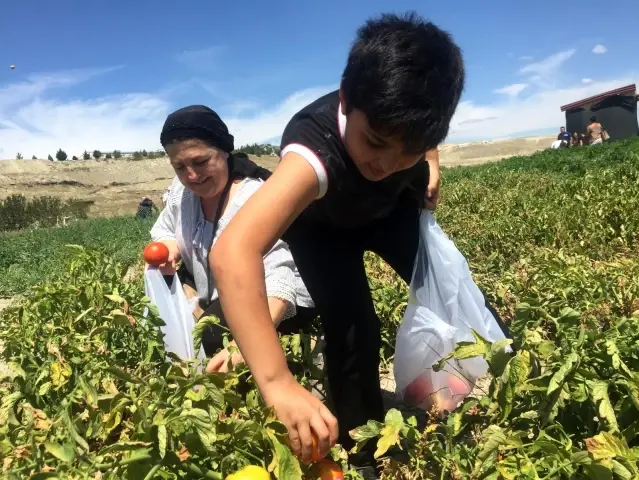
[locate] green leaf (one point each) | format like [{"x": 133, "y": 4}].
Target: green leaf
[
  {"x": 116, "y": 298},
  {"x": 557, "y": 380},
  {"x": 607, "y": 446},
  {"x": 162, "y": 440},
  {"x": 44, "y": 389},
  {"x": 512, "y": 380},
  {"x": 200, "y": 327},
  {"x": 125, "y": 447},
  {"x": 372, "y": 429},
  {"x": 389, "y": 436},
  {"x": 60, "y": 374},
  {"x": 122, "y": 375},
  {"x": 62, "y": 452},
  {"x": 394, "y": 417},
  {"x": 90, "y": 393},
  {"x": 599, "y": 391},
  {"x": 285, "y": 466}
]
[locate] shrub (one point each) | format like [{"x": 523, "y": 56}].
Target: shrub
[
  {"x": 137, "y": 155},
  {"x": 13, "y": 213},
  {"x": 61, "y": 155},
  {"x": 117, "y": 154},
  {"x": 144, "y": 153},
  {"x": 93, "y": 394},
  {"x": 97, "y": 154},
  {"x": 86, "y": 155},
  {"x": 74, "y": 157},
  {"x": 19, "y": 156},
  {"x": 17, "y": 212},
  {"x": 108, "y": 156},
  {"x": 50, "y": 158},
  {"x": 34, "y": 158}
]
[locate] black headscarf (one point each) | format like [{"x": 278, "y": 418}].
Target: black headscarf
[
  {"x": 201, "y": 123},
  {"x": 197, "y": 122}
]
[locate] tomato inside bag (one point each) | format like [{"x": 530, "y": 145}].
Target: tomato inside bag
[{"x": 444, "y": 305}]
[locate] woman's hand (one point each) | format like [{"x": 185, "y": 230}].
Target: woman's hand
[
  {"x": 220, "y": 361},
  {"x": 432, "y": 190},
  {"x": 170, "y": 267}
]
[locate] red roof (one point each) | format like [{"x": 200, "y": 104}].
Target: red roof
[{"x": 619, "y": 91}]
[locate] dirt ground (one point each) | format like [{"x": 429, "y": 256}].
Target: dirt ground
[{"x": 117, "y": 186}]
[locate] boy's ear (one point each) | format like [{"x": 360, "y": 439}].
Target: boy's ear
[{"x": 342, "y": 102}]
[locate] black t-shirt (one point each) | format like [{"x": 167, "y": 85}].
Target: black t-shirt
[
  {"x": 565, "y": 136},
  {"x": 346, "y": 199}
]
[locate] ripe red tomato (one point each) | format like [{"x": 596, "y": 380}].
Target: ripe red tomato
[
  {"x": 156, "y": 253},
  {"x": 316, "y": 454},
  {"x": 328, "y": 470}
]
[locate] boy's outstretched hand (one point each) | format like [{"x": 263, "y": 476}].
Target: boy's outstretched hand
[{"x": 303, "y": 415}]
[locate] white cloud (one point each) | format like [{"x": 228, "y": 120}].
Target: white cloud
[
  {"x": 587, "y": 80},
  {"x": 548, "y": 66},
  {"x": 538, "y": 111},
  {"x": 202, "y": 60},
  {"x": 599, "y": 49},
  {"x": 511, "y": 90},
  {"x": 34, "y": 124},
  {"x": 526, "y": 58}
]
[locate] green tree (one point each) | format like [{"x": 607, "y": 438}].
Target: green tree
[
  {"x": 97, "y": 154},
  {"x": 117, "y": 154},
  {"x": 144, "y": 153},
  {"x": 61, "y": 155},
  {"x": 19, "y": 156},
  {"x": 34, "y": 158},
  {"x": 86, "y": 155},
  {"x": 50, "y": 158},
  {"x": 151, "y": 155},
  {"x": 108, "y": 156},
  {"x": 137, "y": 155},
  {"x": 74, "y": 157}
]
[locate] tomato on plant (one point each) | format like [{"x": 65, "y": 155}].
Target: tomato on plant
[
  {"x": 250, "y": 472},
  {"x": 156, "y": 253},
  {"x": 327, "y": 470},
  {"x": 316, "y": 453}
]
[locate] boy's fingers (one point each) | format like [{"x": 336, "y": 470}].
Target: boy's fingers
[
  {"x": 323, "y": 434},
  {"x": 331, "y": 424},
  {"x": 306, "y": 440}
]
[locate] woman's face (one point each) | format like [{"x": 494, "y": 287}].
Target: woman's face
[{"x": 201, "y": 168}]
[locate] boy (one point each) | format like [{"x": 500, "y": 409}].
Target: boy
[{"x": 353, "y": 176}]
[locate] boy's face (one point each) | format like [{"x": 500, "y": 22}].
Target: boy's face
[{"x": 375, "y": 156}]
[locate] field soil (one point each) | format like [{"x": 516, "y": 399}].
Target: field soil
[{"x": 115, "y": 187}]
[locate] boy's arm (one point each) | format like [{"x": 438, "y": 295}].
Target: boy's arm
[
  {"x": 432, "y": 191},
  {"x": 238, "y": 268}
]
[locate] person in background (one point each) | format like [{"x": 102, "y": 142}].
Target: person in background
[
  {"x": 577, "y": 139},
  {"x": 357, "y": 167},
  {"x": 210, "y": 186},
  {"x": 594, "y": 132},
  {"x": 146, "y": 207},
  {"x": 564, "y": 136}
]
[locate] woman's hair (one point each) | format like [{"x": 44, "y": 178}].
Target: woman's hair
[{"x": 593, "y": 119}]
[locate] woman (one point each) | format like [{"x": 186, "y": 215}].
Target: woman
[
  {"x": 211, "y": 185},
  {"x": 576, "y": 139}
]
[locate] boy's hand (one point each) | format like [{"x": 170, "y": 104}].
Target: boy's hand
[
  {"x": 303, "y": 414},
  {"x": 432, "y": 191}
]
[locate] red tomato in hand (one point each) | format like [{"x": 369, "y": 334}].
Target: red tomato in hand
[
  {"x": 156, "y": 253},
  {"x": 328, "y": 470}
]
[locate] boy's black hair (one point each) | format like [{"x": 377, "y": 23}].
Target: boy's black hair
[
  {"x": 593, "y": 119},
  {"x": 406, "y": 75}
]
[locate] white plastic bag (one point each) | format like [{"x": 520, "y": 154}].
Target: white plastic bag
[
  {"x": 444, "y": 304},
  {"x": 176, "y": 311}
]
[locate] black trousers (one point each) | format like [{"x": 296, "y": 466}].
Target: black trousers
[{"x": 330, "y": 261}]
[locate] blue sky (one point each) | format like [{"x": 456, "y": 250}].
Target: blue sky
[{"x": 105, "y": 74}]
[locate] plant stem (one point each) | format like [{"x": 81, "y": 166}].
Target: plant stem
[
  {"x": 153, "y": 471},
  {"x": 195, "y": 470}
]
